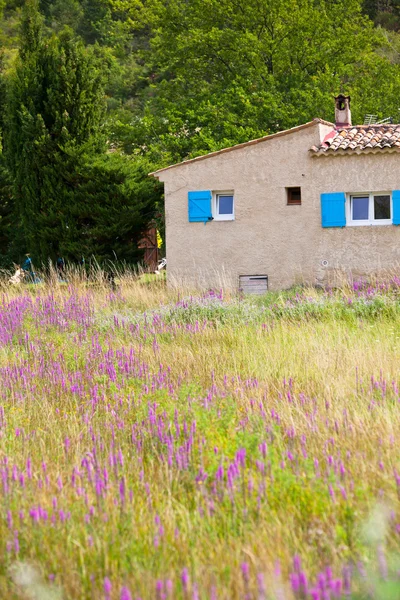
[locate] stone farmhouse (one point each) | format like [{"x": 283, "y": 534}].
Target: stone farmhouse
[{"x": 298, "y": 206}]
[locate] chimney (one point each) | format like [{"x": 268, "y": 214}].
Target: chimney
[{"x": 342, "y": 111}]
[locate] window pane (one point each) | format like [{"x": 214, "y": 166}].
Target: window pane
[
  {"x": 382, "y": 207},
  {"x": 360, "y": 208},
  {"x": 225, "y": 205},
  {"x": 296, "y": 196}
]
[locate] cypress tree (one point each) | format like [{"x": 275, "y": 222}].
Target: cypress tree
[
  {"x": 8, "y": 229},
  {"x": 54, "y": 111},
  {"x": 72, "y": 198}
]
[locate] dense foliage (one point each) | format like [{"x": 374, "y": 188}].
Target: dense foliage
[{"x": 96, "y": 93}]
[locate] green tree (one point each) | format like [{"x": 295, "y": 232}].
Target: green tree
[
  {"x": 55, "y": 106},
  {"x": 71, "y": 197},
  {"x": 9, "y": 227},
  {"x": 111, "y": 202}
]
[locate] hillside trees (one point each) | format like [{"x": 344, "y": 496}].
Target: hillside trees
[
  {"x": 384, "y": 12},
  {"x": 224, "y": 71}
]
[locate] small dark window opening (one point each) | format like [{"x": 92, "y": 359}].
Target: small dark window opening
[{"x": 293, "y": 195}]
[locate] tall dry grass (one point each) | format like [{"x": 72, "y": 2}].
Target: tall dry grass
[{"x": 159, "y": 443}]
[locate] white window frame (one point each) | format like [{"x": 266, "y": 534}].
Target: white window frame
[
  {"x": 216, "y": 216},
  {"x": 371, "y": 220}
]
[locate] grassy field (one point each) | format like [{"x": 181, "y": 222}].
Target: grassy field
[{"x": 155, "y": 444}]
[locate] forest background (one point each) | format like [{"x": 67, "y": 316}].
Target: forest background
[{"x": 95, "y": 94}]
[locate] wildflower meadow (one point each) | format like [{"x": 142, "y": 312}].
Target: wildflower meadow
[{"x": 158, "y": 444}]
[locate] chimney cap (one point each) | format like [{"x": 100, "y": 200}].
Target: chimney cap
[{"x": 342, "y": 97}]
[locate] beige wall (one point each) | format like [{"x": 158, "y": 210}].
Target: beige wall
[{"x": 287, "y": 243}]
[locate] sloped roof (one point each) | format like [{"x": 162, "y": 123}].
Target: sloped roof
[
  {"x": 244, "y": 144},
  {"x": 360, "y": 139}
]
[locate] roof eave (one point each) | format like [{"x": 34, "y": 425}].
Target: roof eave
[{"x": 359, "y": 151}]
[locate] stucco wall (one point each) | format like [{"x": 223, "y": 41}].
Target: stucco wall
[{"x": 287, "y": 243}]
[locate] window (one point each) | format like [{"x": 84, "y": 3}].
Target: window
[
  {"x": 369, "y": 209},
  {"x": 293, "y": 195},
  {"x": 223, "y": 206}
]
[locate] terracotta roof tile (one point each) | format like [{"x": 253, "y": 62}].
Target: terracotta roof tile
[{"x": 360, "y": 138}]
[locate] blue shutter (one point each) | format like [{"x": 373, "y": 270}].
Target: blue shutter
[
  {"x": 200, "y": 206},
  {"x": 396, "y": 207},
  {"x": 333, "y": 209}
]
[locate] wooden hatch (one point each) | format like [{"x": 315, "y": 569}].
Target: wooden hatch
[{"x": 253, "y": 284}]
